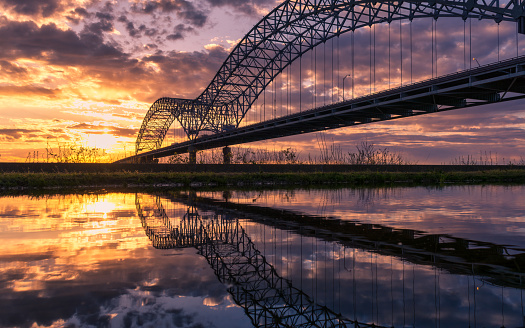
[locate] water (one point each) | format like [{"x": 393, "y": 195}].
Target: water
[{"x": 402, "y": 257}]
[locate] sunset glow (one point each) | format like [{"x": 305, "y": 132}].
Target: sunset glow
[{"x": 85, "y": 73}]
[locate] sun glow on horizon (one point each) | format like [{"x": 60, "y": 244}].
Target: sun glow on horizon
[{"x": 101, "y": 141}]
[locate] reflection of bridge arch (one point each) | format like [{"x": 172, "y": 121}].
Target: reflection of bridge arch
[
  {"x": 162, "y": 233},
  {"x": 284, "y": 35},
  {"x": 269, "y": 299},
  {"x": 256, "y": 285}
]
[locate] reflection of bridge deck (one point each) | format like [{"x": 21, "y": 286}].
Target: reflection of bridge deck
[
  {"x": 501, "y": 265},
  {"x": 269, "y": 299},
  {"x": 214, "y": 228},
  {"x": 503, "y": 81}
]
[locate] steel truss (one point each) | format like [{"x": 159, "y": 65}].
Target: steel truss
[{"x": 284, "y": 35}]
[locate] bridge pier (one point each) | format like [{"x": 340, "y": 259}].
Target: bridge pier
[
  {"x": 147, "y": 160},
  {"x": 227, "y": 155},
  {"x": 192, "y": 155}
]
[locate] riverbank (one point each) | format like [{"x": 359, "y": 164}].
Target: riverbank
[
  {"x": 242, "y": 168},
  {"x": 132, "y": 179}
]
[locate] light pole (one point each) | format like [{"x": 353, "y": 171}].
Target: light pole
[
  {"x": 476, "y": 61},
  {"x": 347, "y": 75}
]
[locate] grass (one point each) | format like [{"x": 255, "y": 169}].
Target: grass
[{"x": 10, "y": 181}]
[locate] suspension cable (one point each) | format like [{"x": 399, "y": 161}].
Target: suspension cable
[
  {"x": 274, "y": 98},
  {"x": 435, "y": 37},
  {"x": 389, "y": 48},
  {"x": 464, "y": 44},
  {"x": 315, "y": 78},
  {"x": 288, "y": 81},
  {"x": 290, "y": 89},
  {"x": 313, "y": 65},
  {"x": 300, "y": 82},
  {"x": 370, "y": 60},
  {"x": 432, "y": 41},
  {"x": 517, "y": 45},
  {"x": 281, "y": 88},
  {"x": 353, "y": 74},
  {"x": 470, "y": 42},
  {"x": 264, "y": 102},
  {"x": 498, "y": 42},
  {"x": 324, "y": 72},
  {"x": 374, "y": 57},
  {"x": 338, "y": 68},
  {"x": 401, "y": 52},
  {"x": 411, "y": 53},
  {"x": 388, "y": 87},
  {"x": 332, "y": 90}
]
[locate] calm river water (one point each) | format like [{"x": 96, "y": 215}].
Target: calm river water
[{"x": 399, "y": 257}]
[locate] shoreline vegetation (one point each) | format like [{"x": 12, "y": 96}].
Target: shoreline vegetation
[
  {"x": 359, "y": 177},
  {"x": 329, "y": 153}
]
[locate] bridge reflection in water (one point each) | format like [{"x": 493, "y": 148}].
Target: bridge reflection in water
[{"x": 287, "y": 269}]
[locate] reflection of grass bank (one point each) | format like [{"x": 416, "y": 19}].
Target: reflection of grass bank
[{"x": 185, "y": 180}]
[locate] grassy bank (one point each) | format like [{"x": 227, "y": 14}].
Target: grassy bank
[{"x": 9, "y": 181}]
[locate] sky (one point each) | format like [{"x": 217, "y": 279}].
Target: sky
[{"x": 84, "y": 72}]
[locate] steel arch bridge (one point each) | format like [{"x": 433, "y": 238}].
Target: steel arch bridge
[{"x": 281, "y": 37}]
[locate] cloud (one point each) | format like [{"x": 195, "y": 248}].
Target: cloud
[
  {"x": 28, "y": 90},
  {"x": 123, "y": 132},
  {"x": 143, "y": 78},
  {"x": 86, "y": 126},
  {"x": 105, "y": 129},
  {"x": 185, "y": 10},
  {"x": 104, "y": 24},
  {"x": 12, "y": 70},
  {"x": 15, "y": 134},
  {"x": 186, "y": 73},
  {"x": 137, "y": 32},
  {"x": 86, "y": 52},
  {"x": 106, "y": 62},
  {"x": 81, "y": 12},
  {"x": 44, "y": 8},
  {"x": 179, "y": 31},
  {"x": 56, "y": 46},
  {"x": 128, "y": 115},
  {"x": 250, "y": 7},
  {"x": 151, "y": 46},
  {"x": 116, "y": 54},
  {"x": 77, "y": 14}
]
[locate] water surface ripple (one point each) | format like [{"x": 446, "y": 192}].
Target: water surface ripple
[{"x": 368, "y": 257}]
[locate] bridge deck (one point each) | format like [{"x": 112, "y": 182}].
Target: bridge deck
[{"x": 502, "y": 81}]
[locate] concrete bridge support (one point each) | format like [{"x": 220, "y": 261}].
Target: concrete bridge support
[
  {"x": 147, "y": 160},
  {"x": 192, "y": 155},
  {"x": 227, "y": 155}
]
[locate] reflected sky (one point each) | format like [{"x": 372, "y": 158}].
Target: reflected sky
[
  {"x": 488, "y": 213},
  {"x": 84, "y": 260},
  {"x": 90, "y": 261}
]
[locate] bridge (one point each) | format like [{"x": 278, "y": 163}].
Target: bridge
[
  {"x": 213, "y": 227},
  {"x": 233, "y": 108}
]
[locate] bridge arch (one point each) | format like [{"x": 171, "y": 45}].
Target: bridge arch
[{"x": 281, "y": 37}]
